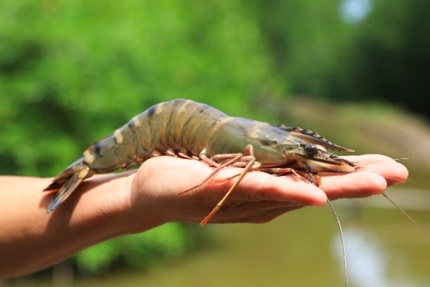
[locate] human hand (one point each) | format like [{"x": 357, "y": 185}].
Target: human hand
[
  {"x": 110, "y": 205},
  {"x": 374, "y": 173},
  {"x": 259, "y": 197}
]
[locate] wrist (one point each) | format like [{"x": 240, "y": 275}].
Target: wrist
[
  {"x": 128, "y": 207},
  {"x": 101, "y": 203}
]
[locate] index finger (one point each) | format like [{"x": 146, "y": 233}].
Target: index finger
[{"x": 391, "y": 170}]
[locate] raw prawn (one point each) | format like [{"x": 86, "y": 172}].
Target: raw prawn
[{"x": 192, "y": 130}]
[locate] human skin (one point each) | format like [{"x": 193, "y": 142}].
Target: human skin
[{"x": 107, "y": 206}]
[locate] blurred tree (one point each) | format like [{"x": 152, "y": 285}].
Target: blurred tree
[
  {"x": 351, "y": 49},
  {"x": 304, "y": 38},
  {"x": 73, "y": 71},
  {"x": 389, "y": 58}
]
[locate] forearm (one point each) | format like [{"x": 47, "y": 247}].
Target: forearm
[{"x": 31, "y": 239}]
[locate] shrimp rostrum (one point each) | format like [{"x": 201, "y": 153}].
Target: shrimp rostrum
[{"x": 192, "y": 130}]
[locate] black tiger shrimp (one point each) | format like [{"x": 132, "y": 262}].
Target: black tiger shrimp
[
  {"x": 197, "y": 131},
  {"x": 192, "y": 130}
]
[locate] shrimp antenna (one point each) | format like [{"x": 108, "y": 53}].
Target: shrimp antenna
[
  {"x": 407, "y": 215},
  {"x": 339, "y": 226}
]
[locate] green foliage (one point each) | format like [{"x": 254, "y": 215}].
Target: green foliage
[
  {"x": 383, "y": 56},
  {"x": 304, "y": 38},
  {"x": 387, "y": 57},
  {"x": 73, "y": 71},
  {"x": 140, "y": 250}
]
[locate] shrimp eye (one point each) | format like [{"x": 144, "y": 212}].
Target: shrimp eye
[{"x": 311, "y": 149}]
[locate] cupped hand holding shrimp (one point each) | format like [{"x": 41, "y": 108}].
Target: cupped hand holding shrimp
[
  {"x": 259, "y": 197},
  {"x": 108, "y": 206}
]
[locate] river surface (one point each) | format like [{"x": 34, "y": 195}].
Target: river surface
[{"x": 302, "y": 248}]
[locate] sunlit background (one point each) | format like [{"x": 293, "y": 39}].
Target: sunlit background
[{"x": 356, "y": 71}]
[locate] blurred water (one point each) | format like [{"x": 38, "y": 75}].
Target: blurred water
[
  {"x": 371, "y": 254},
  {"x": 368, "y": 261}
]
